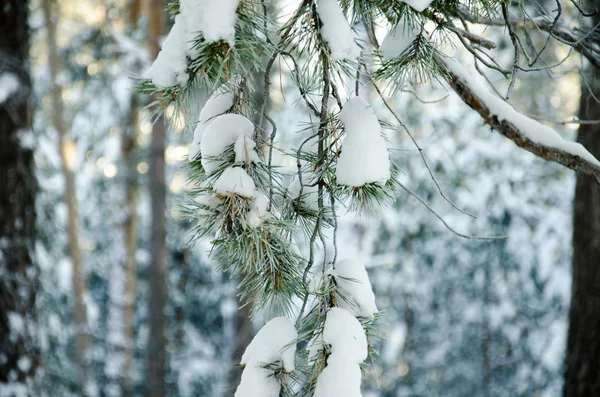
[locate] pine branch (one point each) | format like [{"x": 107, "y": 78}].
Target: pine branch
[{"x": 509, "y": 130}]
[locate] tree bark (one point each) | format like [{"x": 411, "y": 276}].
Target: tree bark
[
  {"x": 582, "y": 363},
  {"x": 18, "y": 273},
  {"x": 243, "y": 334},
  {"x": 582, "y": 375},
  {"x": 128, "y": 144},
  {"x": 157, "y": 355},
  {"x": 68, "y": 154}
]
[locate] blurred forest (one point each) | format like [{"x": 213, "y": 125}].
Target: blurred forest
[{"x": 102, "y": 294}]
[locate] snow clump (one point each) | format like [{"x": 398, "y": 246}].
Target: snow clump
[
  {"x": 346, "y": 338},
  {"x": 274, "y": 343},
  {"x": 336, "y": 31},
  {"x": 364, "y": 157}
]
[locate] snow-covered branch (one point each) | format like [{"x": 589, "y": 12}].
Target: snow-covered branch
[{"x": 527, "y": 133}]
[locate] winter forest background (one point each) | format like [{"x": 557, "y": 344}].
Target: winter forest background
[{"x": 81, "y": 292}]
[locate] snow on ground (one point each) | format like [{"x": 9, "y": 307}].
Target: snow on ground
[
  {"x": 336, "y": 31},
  {"x": 364, "y": 157},
  {"x": 530, "y": 128}
]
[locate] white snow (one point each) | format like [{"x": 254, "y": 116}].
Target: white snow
[
  {"x": 220, "y": 102},
  {"x": 214, "y": 19},
  {"x": 336, "y": 31},
  {"x": 531, "y": 129},
  {"x": 364, "y": 157},
  {"x": 220, "y": 133},
  {"x": 245, "y": 150},
  {"x": 310, "y": 194},
  {"x": 348, "y": 343},
  {"x": 345, "y": 335},
  {"x": 339, "y": 378},
  {"x": 170, "y": 66},
  {"x": 275, "y": 342},
  {"x": 258, "y": 209},
  {"x": 9, "y": 84},
  {"x": 353, "y": 288},
  {"x": 235, "y": 180},
  {"x": 398, "y": 40},
  {"x": 419, "y": 5}
]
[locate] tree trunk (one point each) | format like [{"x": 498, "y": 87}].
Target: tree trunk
[
  {"x": 157, "y": 360},
  {"x": 128, "y": 144},
  {"x": 582, "y": 376},
  {"x": 18, "y": 281},
  {"x": 68, "y": 154},
  {"x": 243, "y": 334}
]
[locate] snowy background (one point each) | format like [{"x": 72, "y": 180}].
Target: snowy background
[{"x": 461, "y": 317}]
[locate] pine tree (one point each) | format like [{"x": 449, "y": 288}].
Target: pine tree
[{"x": 272, "y": 212}]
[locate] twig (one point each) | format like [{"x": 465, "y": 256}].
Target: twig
[{"x": 446, "y": 223}]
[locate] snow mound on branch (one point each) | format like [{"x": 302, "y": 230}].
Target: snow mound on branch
[
  {"x": 353, "y": 288},
  {"x": 214, "y": 19},
  {"x": 235, "y": 180},
  {"x": 170, "y": 66},
  {"x": 529, "y": 128},
  {"x": 349, "y": 348},
  {"x": 245, "y": 150},
  {"x": 220, "y": 102},
  {"x": 364, "y": 157},
  {"x": 257, "y": 382},
  {"x": 336, "y": 31},
  {"x": 223, "y": 131},
  {"x": 398, "y": 40},
  {"x": 275, "y": 342},
  {"x": 419, "y": 5},
  {"x": 339, "y": 378},
  {"x": 310, "y": 193},
  {"x": 258, "y": 210}
]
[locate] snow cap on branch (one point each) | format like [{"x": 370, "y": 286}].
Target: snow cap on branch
[
  {"x": 348, "y": 344},
  {"x": 220, "y": 102},
  {"x": 213, "y": 19},
  {"x": 258, "y": 210},
  {"x": 353, "y": 288},
  {"x": 235, "y": 180},
  {"x": 245, "y": 150},
  {"x": 336, "y": 31},
  {"x": 170, "y": 66},
  {"x": 364, "y": 157},
  {"x": 275, "y": 342},
  {"x": 223, "y": 131}
]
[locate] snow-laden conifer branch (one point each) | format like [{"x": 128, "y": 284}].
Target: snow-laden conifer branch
[{"x": 525, "y": 132}]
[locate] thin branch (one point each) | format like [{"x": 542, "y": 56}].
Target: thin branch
[
  {"x": 415, "y": 195},
  {"x": 421, "y": 152}
]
